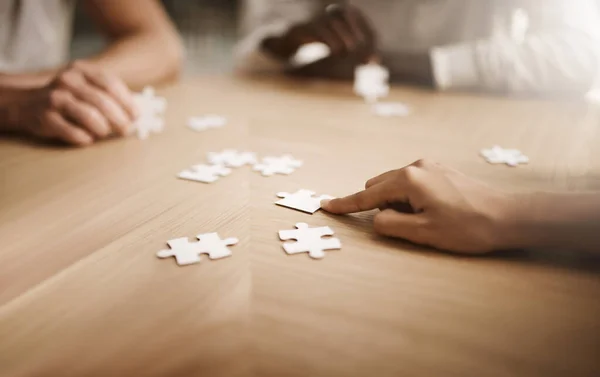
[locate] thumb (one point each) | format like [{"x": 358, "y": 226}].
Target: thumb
[{"x": 411, "y": 227}]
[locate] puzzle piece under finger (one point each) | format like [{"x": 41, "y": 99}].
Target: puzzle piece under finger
[
  {"x": 186, "y": 252},
  {"x": 302, "y": 200},
  {"x": 204, "y": 173},
  {"x": 285, "y": 164},
  {"x": 309, "y": 240}
]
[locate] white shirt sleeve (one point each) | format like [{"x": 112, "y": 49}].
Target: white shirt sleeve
[
  {"x": 559, "y": 53},
  {"x": 268, "y": 18}
]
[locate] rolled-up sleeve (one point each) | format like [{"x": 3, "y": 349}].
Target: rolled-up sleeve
[{"x": 559, "y": 53}]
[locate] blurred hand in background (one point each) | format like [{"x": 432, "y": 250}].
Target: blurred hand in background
[{"x": 343, "y": 28}]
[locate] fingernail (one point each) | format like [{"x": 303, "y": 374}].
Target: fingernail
[{"x": 325, "y": 203}]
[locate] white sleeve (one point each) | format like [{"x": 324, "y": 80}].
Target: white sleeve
[
  {"x": 267, "y": 18},
  {"x": 560, "y": 53}
]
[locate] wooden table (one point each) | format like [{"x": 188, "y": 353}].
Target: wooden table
[{"x": 83, "y": 294}]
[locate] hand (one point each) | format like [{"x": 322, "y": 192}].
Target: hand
[
  {"x": 343, "y": 28},
  {"x": 80, "y": 105},
  {"x": 443, "y": 208}
]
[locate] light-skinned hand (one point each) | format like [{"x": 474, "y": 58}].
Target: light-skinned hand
[
  {"x": 81, "y": 104},
  {"x": 442, "y": 208}
]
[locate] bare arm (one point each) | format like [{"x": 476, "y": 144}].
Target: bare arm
[
  {"x": 144, "y": 46},
  {"x": 143, "y": 49},
  {"x": 552, "y": 220}
]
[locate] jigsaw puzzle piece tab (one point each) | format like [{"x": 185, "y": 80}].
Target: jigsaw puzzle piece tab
[
  {"x": 184, "y": 251},
  {"x": 309, "y": 240}
]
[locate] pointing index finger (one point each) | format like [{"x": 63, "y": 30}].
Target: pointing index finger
[{"x": 373, "y": 197}]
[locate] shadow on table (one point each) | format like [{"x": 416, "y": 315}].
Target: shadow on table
[
  {"x": 39, "y": 143},
  {"x": 571, "y": 260},
  {"x": 32, "y": 141}
]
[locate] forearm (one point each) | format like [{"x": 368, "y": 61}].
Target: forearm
[
  {"x": 142, "y": 59},
  {"x": 28, "y": 80},
  {"x": 13, "y": 101},
  {"x": 558, "y": 221}
]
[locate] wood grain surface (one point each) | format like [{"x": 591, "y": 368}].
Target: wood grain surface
[{"x": 83, "y": 294}]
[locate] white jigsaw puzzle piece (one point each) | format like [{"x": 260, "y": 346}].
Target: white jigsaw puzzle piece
[
  {"x": 186, "y": 252},
  {"x": 391, "y": 109},
  {"x": 232, "y": 158},
  {"x": 310, "y": 53},
  {"x": 302, "y": 200},
  {"x": 152, "y": 109},
  {"x": 371, "y": 81},
  {"x": 205, "y": 122},
  {"x": 499, "y": 155},
  {"x": 309, "y": 240},
  {"x": 204, "y": 173},
  {"x": 214, "y": 246},
  {"x": 285, "y": 164}
]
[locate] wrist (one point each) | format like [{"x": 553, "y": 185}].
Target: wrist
[
  {"x": 27, "y": 80},
  {"x": 515, "y": 226},
  {"x": 15, "y": 107}
]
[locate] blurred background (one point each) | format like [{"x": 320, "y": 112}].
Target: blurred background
[{"x": 207, "y": 27}]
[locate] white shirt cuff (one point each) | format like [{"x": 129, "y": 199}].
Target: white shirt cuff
[{"x": 454, "y": 67}]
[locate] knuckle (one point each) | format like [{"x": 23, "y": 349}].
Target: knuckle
[
  {"x": 58, "y": 97},
  {"x": 362, "y": 202},
  {"x": 410, "y": 173},
  {"x": 94, "y": 115},
  {"x": 109, "y": 80},
  {"x": 424, "y": 233},
  {"x": 47, "y": 117},
  {"x": 69, "y": 79},
  {"x": 102, "y": 125},
  {"x": 99, "y": 100},
  {"x": 380, "y": 224},
  {"x": 424, "y": 163},
  {"x": 420, "y": 163},
  {"x": 77, "y": 64},
  {"x": 64, "y": 78}
]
